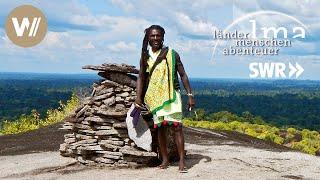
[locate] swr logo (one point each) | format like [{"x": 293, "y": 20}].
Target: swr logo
[{"x": 26, "y": 26}]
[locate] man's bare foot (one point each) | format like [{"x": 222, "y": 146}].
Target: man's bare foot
[
  {"x": 164, "y": 165},
  {"x": 182, "y": 167}
]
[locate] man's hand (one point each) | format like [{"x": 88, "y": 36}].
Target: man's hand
[
  {"x": 138, "y": 103},
  {"x": 191, "y": 103}
]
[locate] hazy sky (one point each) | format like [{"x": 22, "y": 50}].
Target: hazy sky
[{"x": 84, "y": 32}]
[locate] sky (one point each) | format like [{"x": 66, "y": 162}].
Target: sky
[{"x": 82, "y": 32}]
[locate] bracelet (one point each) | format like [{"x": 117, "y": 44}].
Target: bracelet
[
  {"x": 138, "y": 105},
  {"x": 190, "y": 94}
]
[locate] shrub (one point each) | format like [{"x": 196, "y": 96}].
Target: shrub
[
  {"x": 31, "y": 122},
  {"x": 310, "y": 142}
]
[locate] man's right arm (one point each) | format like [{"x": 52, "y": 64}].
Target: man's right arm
[{"x": 141, "y": 82}]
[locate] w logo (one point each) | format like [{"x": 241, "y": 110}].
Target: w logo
[{"x": 26, "y": 26}]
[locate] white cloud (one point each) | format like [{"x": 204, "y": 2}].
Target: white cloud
[
  {"x": 193, "y": 46},
  {"x": 206, "y": 4},
  {"x": 55, "y": 39},
  {"x": 303, "y": 10},
  {"x": 85, "y": 20},
  {"x": 306, "y": 8},
  {"x": 122, "y": 46},
  {"x": 121, "y": 27},
  {"x": 302, "y": 48},
  {"x": 125, "y": 5},
  {"x": 186, "y": 24},
  {"x": 89, "y": 46},
  {"x": 181, "y": 15}
]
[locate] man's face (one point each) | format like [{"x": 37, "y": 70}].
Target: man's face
[{"x": 155, "y": 39}]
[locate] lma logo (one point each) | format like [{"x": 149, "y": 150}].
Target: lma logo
[{"x": 26, "y": 26}]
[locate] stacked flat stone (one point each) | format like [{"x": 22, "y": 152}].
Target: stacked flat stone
[{"x": 98, "y": 133}]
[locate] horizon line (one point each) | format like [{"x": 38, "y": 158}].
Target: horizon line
[{"x": 226, "y": 78}]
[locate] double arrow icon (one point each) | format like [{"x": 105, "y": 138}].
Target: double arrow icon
[
  {"x": 298, "y": 70},
  {"x": 274, "y": 70}
]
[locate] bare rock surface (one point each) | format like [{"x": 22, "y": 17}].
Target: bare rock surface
[
  {"x": 210, "y": 161},
  {"x": 210, "y": 155}
]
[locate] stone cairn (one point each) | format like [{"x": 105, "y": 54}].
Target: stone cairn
[{"x": 99, "y": 133}]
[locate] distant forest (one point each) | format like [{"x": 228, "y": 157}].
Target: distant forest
[
  {"x": 278, "y": 102},
  {"x": 20, "y": 93},
  {"x": 282, "y": 103}
]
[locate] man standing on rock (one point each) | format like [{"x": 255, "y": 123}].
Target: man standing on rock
[{"x": 158, "y": 88}]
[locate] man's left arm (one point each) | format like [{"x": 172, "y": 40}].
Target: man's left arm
[{"x": 185, "y": 81}]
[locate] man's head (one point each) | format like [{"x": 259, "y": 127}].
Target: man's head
[{"x": 155, "y": 34}]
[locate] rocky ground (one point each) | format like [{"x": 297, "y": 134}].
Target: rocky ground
[{"x": 210, "y": 155}]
